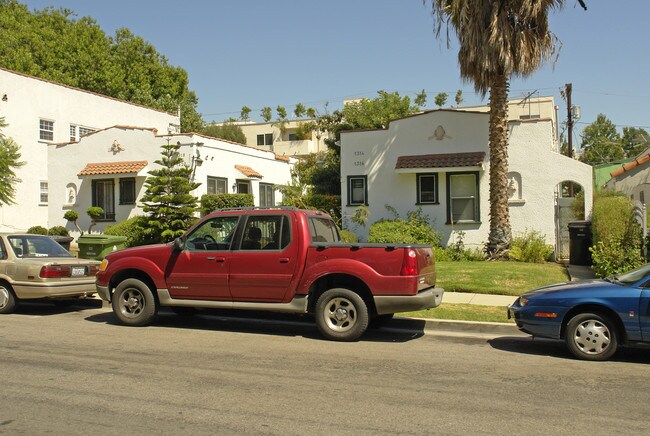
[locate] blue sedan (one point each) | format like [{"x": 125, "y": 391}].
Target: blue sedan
[{"x": 593, "y": 317}]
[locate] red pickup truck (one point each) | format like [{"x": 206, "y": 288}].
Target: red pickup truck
[{"x": 279, "y": 259}]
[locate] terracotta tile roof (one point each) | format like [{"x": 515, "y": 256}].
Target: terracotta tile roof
[
  {"x": 446, "y": 160},
  {"x": 92, "y": 169},
  {"x": 248, "y": 171},
  {"x": 628, "y": 166}
]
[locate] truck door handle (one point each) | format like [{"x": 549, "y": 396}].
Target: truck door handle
[
  {"x": 284, "y": 260},
  {"x": 217, "y": 259}
]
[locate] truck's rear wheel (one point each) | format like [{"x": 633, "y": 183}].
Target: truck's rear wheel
[
  {"x": 341, "y": 315},
  {"x": 133, "y": 303}
]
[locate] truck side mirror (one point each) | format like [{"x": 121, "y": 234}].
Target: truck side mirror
[{"x": 179, "y": 244}]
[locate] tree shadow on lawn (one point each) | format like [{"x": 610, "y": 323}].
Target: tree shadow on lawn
[
  {"x": 557, "y": 349},
  {"x": 266, "y": 323}
]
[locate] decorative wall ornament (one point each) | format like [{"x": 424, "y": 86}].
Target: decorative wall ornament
[
  {"x": 515, "y": 191},
  {"x": 70, "y": 194},
  {"x": 116, "y": 147},
  {"x": 439, "y": 134}
]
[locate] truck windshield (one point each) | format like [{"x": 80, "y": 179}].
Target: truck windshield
[{"x": 323, "y": 230}]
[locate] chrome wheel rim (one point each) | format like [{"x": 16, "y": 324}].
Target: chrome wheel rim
[
  {"x": 592, "y": 337},
  {"x": 340, "y": 314},
  {"x": 4, "y": 297},
  {"x": 132, "y": 303}
]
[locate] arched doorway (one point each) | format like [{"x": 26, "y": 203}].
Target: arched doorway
[{"x": 570, "y": 206}]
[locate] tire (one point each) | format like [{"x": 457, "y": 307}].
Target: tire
[
  {"x": 380, "y": 320},
  {"x": 8, "y": 300},
  {"x": 134, "y": 304},
  {"x": 591, "y": 336},
  {"x": 341, "y": 315}
]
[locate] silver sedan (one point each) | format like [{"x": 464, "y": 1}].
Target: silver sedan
[{"x": 37, "y": 267}]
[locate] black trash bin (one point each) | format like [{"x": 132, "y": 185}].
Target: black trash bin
[
  {"x": 579, "y": 242},
  {"x": 63, "y": 241}
]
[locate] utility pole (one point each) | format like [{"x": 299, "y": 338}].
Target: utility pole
[{"x": 569, "y": 124}]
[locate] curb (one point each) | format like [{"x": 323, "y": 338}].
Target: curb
[
  {"x": 434, "y": 325},
  {"x": 454, "y": 326}
]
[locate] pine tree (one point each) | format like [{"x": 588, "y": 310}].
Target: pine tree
[
  {"x": 9, "y": 160},
  {"x": 167, "y": 200}
]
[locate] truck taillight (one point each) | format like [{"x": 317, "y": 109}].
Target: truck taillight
[
  {"x": 410, "y": 263},
  {"x": 51, "y": 271}
]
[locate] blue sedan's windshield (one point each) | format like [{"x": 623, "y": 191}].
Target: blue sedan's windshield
[{"x": 633, "y": 276}]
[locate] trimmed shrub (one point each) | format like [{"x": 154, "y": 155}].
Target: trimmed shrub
[
  {"x": 530, "y": 247},
  {"x": 348, "y": 236},
  {"x": 414, "y": 230},
  {"x": 37, "y": 230},
  {"x": 212, "y": 202},
  {"x": 330, "y": 204},
  {"x": 617, "y": 236},
  {"x": 58, "y": 231},
  {"x": 133, "y": 229}
]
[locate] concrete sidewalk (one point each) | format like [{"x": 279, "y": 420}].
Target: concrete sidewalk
[{"x": 576, "y": 272}]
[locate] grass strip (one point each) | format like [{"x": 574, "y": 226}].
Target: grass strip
[{"x": 462, "y": 312}]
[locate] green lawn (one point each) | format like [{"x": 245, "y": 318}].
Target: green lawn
[{"x": 497, "y": 278}]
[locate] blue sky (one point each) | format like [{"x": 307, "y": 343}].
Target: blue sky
[{"x": 268, "y": 53}]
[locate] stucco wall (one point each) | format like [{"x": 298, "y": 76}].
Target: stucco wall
[
  {"x": 219, "y": 160},
  {"x": 635, "y": 183},
  {"x": 30, "y": 99},
  {"x": 536, "y": 169}
]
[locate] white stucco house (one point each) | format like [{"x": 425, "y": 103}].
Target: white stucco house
[
  {"x": 287, "y": 142},
  {"x": 108, "y": 168},
  {"x": 39, "y": 113},
  {"x": 633, "y": 178},
  {"x": 439, "y": 161}
]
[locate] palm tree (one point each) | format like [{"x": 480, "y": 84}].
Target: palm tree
[{"x": 498, "y": 39}]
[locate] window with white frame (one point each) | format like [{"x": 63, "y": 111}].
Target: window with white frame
[
  {"x": 427, "y": 188},
  {"x": 127, "y": 190},
  {"x": 462, "y": 198},
  {"x": 217, "y": 185},
  {"x": 46, "y": 130},
  {"x": 265, "y": 139},
  {"x": 77, "y": 132},
  {"x": 103, "y": 195},
  {"x": 357, "y": 190},
  {"x": 267, "y": 195},
  {"x": 43, "y": 192}
]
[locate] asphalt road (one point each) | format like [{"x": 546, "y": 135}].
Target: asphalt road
[{"x": 73, "y": 371}]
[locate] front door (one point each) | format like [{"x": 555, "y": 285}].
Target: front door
[
  {"x": 263, "y": 266},
  {"x": 201, "y": 270}
]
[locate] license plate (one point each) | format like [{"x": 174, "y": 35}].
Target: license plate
[{"x": 78, "y": 271}]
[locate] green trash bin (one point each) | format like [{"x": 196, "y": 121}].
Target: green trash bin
[{"x": 98, "y": 246}]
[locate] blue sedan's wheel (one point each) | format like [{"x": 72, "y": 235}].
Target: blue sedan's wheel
[{"x": 591, "y": 336}]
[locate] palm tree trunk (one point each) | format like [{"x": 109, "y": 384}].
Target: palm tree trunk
[{"x": 500, "y": 231}]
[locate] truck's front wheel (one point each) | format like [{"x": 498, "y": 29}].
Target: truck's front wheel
[
  {"x": 133, "y": 303},
  {"x": 341, "y": 315}
]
